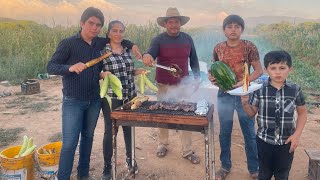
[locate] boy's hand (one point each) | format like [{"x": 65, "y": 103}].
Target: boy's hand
[
  {"x": 294, "y": 139},
  {"x": 78, "y": 68},
  {"x": 212, "y": 79},
  {"x": 244, "y": 99},
  {"x": 239, "y": 84}
]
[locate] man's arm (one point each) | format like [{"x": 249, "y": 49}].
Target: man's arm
[
  {"x": 152, "y": 53},
  {"x": 57, "y": 65},
  {"x": 194, "y": 62}
]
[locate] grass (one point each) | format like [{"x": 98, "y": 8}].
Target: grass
[
  {"x": 55, "y": 137},
  {"x": 26, "y": 103},
  {"x": 9, "y": 136}
]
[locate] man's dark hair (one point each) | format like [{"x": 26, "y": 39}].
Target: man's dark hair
[
  {"x": 92, "y": 11},
  {"x": 233, "y": 19},
  {"x": 112, "y": 23},
  {"x": 275, "y": 57}
]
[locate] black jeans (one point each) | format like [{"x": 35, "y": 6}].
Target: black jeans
[
  {"x": 274, "y": 160},
  {"x": 107, "y": 138}
]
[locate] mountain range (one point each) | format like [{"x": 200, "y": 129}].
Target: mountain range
[{"x": 249, "y": 21}]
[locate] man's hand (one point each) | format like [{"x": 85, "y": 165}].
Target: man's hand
[
  {"x": 294, "y": 139},
  {"x": 147, "y": 60},
  {"x": 136, "y": 52},
  {"x": 78, "y": 68}
]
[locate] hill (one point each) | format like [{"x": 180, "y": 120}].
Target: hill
[{"x": 254, "y": 21}]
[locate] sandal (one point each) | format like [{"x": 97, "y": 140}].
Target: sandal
[
  {"x": 221, "y": 174},
  {"x": 193, "y": 158},
  {"x": 254, "y": 175},
  {"x": 162, "y": 151}
]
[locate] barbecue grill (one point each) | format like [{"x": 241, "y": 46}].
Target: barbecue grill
[{"x": 170, "y": 119}]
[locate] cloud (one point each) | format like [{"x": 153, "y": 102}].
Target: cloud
[{"x": 62, "y": 12}]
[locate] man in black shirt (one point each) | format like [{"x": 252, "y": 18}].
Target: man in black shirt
[{"x": 81, "y": 101}]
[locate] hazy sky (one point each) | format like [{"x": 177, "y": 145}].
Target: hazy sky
[{"x": 202, "y": 12}]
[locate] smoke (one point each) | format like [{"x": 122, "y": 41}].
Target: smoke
[{"x": 189, "y": 90}]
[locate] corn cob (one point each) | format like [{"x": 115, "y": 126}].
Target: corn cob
[
  {"x": 245, "y": 78},
  {"x": 44, "y": 151},
  {"x": 116, "y": 90},
  {"x": 29, "y": 150},
  {"x": 149, "y": 83},
  {"x": 104, "y": 87},
  {"x": 109, "y": 101},
  {"x": 141, "y": 84},
  {"x": 30, "y": 143},
  {"x": 95, "y": 61},
  {"x": 24, "y": 144},
  {"x": 115, "y": 80}
]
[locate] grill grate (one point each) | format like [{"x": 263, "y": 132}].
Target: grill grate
[{"x": 144, "y": 109}]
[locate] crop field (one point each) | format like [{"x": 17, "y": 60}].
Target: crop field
[{"x": 26, "y": 47}]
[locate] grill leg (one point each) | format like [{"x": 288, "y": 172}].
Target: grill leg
[
  {"x": 206, "y": 143},
  {"x": 133, "y": 149},
  {"x": 114, "y": 146},
  {"x": 211, "y": 131}
]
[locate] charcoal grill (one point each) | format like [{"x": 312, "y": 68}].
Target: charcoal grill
[{"x": 170, "y": 119}]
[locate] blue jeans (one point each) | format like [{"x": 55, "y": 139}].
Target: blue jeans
[
  {"x": 78, "y": 117},
  {"x": 226, "y": 106}
]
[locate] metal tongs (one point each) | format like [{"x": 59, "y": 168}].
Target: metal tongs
[
  {"x": 166, "y": 67},
  {"x": 174, "y": 69}
]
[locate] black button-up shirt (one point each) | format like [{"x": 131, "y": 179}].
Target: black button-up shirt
[
  {"x": 276, "y": 108},
  {"x": 83, "y": 86}
]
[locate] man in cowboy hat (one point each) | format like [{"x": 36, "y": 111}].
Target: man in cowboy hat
[{"x": 173, "y": 47}]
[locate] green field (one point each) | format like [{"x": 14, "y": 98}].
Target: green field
[{"x": 26, "y": 47}]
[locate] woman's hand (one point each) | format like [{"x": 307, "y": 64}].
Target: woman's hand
[
  {"x": 136, "y": 52},
  {"x": 104, "y": 74},
  {"x": 141, "y": 71}
]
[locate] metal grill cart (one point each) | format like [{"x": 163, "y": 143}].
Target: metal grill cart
[{"x": 170, "y": 119}]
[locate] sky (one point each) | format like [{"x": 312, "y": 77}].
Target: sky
[{"x": 201, "y": 12}]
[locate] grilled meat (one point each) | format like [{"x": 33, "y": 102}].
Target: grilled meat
[{"x": 184, "y": 106}]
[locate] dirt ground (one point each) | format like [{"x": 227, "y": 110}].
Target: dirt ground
[{"x": 40, "y": 115}]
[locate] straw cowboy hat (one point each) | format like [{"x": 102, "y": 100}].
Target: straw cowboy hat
[{"x": 172, "y": 13}]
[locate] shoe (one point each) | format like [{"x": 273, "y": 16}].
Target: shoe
[
  {"x": 130, "y": 168},
  {"x": 106, "y": 175}
]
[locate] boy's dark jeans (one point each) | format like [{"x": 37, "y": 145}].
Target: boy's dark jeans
[{"x": 274, "y": 160}]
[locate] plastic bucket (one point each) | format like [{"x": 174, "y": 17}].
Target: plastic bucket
[
  {"x": 49, "y": 163},
  {"x": 16, "y": 168}
]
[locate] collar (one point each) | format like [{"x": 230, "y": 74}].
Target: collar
[
  {"x": 78, "y": 36},
  {"x": 286, "y": 83},
  {"x": 108, "y": 47}
]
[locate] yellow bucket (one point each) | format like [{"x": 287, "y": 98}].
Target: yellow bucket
[
  {"x": 16, "y": 168},
  {"x": 49, "y": 163}
]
